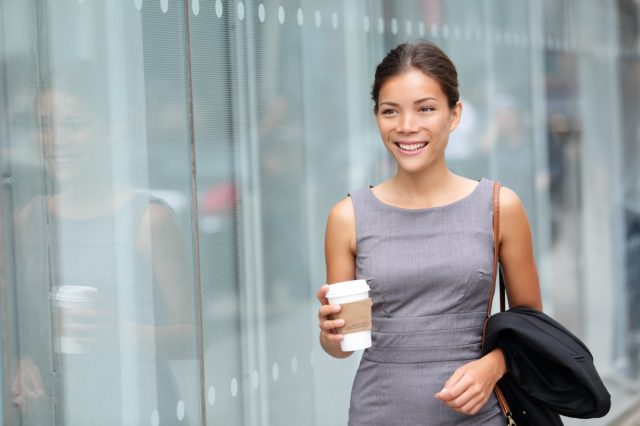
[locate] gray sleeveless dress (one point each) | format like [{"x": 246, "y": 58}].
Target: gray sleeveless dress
[
  {"x": 430, "y": 276},
  {"x": 95, "y": 388}
]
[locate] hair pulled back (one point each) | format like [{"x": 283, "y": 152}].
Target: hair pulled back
[{"x": 423, "y": 56}]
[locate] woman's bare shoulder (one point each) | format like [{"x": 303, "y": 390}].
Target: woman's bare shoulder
[
  {"x": 342, "y": 212},
  {"x": 23, "y": 213},
  {"x": 341, "y": 225},
  {"x": 510, "y": 203},
  {"x": 513, "y": 217}
]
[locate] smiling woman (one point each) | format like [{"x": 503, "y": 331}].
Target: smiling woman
[{"x": 426, "y": 252}]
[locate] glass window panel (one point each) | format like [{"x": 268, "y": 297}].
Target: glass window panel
[
  {"x": 104, "y": 285},
  {"x": 279, "y": 170},
  {"x": 219, "y": 210}
]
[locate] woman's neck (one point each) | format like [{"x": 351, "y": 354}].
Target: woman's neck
[
  {"x": 432, "y": 180},
  {"x": 80, "y": 201},
  {"x": 429, "y": 188}
]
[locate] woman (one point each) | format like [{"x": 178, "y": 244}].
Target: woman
[
  {"x": 114, "y": 253},
  {"x": 423, "y": 240}
]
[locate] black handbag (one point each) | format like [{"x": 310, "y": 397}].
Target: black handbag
[{"x": 550, "y": 371}]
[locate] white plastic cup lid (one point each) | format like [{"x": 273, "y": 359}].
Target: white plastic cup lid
[
  {"x": 347, "y": 288},
  {"x": 75, "y": 293}
]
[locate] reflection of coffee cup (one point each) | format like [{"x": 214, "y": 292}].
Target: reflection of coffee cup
[
  {"x": 353, "y": 296},
  {"x": 69, "y": 300}
]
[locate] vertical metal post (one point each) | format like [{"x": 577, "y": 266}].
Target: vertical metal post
[
  {"x": 195, "y": 228},
  {"x": 254, "y": 341},
  {"x": 539, "y": 125}
]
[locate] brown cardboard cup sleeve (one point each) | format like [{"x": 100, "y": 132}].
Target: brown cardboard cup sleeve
[{"x": 357, "y": 316}]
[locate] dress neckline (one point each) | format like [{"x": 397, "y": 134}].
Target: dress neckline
[{"x": 423, "y": 209}]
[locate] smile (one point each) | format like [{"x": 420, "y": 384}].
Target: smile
[{"x": 411, "y": 147}]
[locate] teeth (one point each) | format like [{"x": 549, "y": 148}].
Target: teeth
[{"x": 412, "y": 147}]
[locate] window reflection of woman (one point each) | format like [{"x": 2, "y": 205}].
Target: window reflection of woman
[{"x": 117, "y": 250}]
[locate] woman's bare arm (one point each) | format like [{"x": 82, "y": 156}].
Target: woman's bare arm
[
  {"x": 516, "y": 253},
  {"x": 340, "y": 246},
  {"x": 340, "y": 263},
  {"x": 160, "y": 240}
]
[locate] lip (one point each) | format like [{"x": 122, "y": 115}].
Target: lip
[
  {"x": 414, "y": 152},
  {"x": 64, "y": 156}
]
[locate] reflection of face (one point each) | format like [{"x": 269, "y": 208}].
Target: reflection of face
[
  {"x": 67, "y": 132},
  {"x": 415, "y": 120}
]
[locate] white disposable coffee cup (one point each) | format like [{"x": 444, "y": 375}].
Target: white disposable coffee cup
[
  {"x": 348, "y": 292},
  {"x": 68, "y": 298}
]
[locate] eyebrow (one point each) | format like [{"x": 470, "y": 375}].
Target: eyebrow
[{"x": 419, "y": 101}]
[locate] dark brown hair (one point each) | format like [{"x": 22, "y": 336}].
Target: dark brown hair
[{"x": 423, "y": 56}]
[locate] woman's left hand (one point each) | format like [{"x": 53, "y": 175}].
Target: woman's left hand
[{"x": 470, "y": 386}]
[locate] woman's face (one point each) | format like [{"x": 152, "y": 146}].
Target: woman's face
[
  {"x": 415, "y": 120},
  {"x": 67, "y": 131}
]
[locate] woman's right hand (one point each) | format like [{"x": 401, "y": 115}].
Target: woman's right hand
[
  {"x": 27, "y": 384},
  {"x": 329, "y": 336}
]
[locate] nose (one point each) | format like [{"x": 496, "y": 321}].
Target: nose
[{"x": 407, "y": 123}]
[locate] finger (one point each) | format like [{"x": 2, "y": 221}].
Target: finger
[
  {"x": 30, "y": 381},
  {"x": 17, "y": 385},
  {"x": 19, "y": 401},
  {"x": 327, "y": 310},
  {"x": 463, "y": 399},
  {"x": 464, "y": 392},
  {"x": 444, "y": 395},
  {"x": 34, "y": 392},
  {"x": 451, "y": 389},
  {"x": 331, "y": 324},
  {"x": 471, "y": 407},
  {"x": 478, "y": 406},
  {"x": 333, "y": 338},
  {"x": 321, "y": 295},
  {"x": 36, "y": 379},
  {"x": 455, "y": 378}
]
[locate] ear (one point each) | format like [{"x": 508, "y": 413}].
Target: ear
[{"x": 456, "y": 115}]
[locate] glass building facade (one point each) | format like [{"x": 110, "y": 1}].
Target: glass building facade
[{"x": 167, "y": 169}]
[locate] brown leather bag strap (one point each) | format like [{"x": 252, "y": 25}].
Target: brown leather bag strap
[
  {"x": 495, "y": 201},
  {"x": 496, "y": 247},
  {"x": 496, "y": 271},
  {"x": 503, "y": 291},
  {"x": 504, "y": 405}
]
